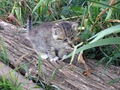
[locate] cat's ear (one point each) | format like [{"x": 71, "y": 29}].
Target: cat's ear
[
  {"x": 75, "y": 26},
  {"x": 56, "y": 29}
]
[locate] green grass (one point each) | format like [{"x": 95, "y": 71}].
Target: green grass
[
  {"x": 9, "y": 83},
  {"x": 97, "y": 41},
  {"x": 3, "y": 53}
]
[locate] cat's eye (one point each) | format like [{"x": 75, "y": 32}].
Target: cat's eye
[
  {"x": 72, "y": 38},
  {"x": 65, "y": 40},
  {"x": 57, "y": 32}
]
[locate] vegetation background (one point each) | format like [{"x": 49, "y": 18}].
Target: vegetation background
[{"x": 98, "y": 23}]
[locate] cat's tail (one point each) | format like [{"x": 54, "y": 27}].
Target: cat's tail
[{"x": 29, "y": 23}]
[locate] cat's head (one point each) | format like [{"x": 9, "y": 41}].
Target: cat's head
[{"x": 65, "y": 31}]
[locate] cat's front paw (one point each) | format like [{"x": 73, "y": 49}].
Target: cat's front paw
[
  {"x": 64, "y": 56},
  {"x": 54, "y": 59},
  {"x": 44, "y": 56}
]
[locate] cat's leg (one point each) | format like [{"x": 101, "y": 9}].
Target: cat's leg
[
  {"x": 52, "y": 54},
  {"x": 62, "y": 53},
  {"x": 43, "y": 55},
  {"x": 41, "y": 50}
]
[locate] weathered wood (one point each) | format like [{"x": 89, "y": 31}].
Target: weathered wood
[
  {"x": 12, "y": 74},
  {"x": 19, "y": 51}
]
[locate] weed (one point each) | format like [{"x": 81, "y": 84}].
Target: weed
[{"x": 10, "y": 83}]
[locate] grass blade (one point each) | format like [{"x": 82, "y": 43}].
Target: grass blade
[
  {"x": 38, "y": 5},
  {"x": 5, "y": 57},
  {"x": 39, "y": 63},
  {"x": 113, "y": 29},
  {"x": 101, "y": 42}
]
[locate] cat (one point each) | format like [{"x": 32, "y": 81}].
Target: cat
[{"x": 52, "y": 39}]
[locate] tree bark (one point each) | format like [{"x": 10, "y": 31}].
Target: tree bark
[
  {"x": 58, "y": 73},
  {"x": 13, "y": 75}
]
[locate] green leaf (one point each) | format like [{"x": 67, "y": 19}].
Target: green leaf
[
  {"x": 56, "y": 87},
  {"x": 39, "y": 63},
  {"x": 38, "y": 5},
  {"x": 4, "y": 53},
  {"x": 113, "y": 29},
  {"x": 77, "y": 9},
  {"x": 113, "y": 81},
  {"x": 101, "y": 42},
  {"x": 109, "y": 14},
  {"x": 53, "y": 74}
]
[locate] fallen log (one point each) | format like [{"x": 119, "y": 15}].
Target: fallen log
[
  {"x": 11, "y": 74},
  {"x": 58, "y": 73}
]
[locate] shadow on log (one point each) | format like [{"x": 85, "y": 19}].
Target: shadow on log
[{"x": 19, "y": 52}]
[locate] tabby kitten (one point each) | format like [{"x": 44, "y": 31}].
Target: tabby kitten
[{"x": 52, "y": 39}]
